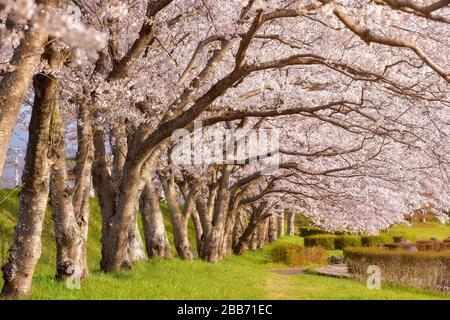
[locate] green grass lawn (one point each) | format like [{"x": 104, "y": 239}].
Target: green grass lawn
[
  {"x": 244, "y": 277},
  {"x": 423, "y": 230}
]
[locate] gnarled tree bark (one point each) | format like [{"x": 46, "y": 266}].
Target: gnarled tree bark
[
  {"x": 135, "y": 244},
  {"x": 179, "y": 220},
  {"x": 212, "y": 246},
  {"x": 69, "y": 242},
  {"x": 83, "y": 185},
  {"x": 14, "y": 85},
  {"x": 250, "y": 236},
  {"x": 26, "y": 247},
  {"x": 156, "y": 241}
]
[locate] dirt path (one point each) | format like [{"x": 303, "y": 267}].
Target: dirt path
[
  {"x": 280, "y": 287},
  {"x": 283, "y": 283},
  {"x": 288, "y": 272}
]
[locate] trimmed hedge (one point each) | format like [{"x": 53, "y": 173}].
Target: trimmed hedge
[
  {"x": 331, "y": 242},
  {"x": 432, "y": 245},
  {"x": 310, "y": 231},
  {"x": 296, "y": 256},
  {"x": 325, "y": 241},
  {"x": 375, "y": 241},
  {"x": 420, "y": 269},
  {"x": 345, "y": 241},
  {"x": 409, "y": 246}
]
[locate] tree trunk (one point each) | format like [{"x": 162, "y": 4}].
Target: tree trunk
[
  {"x": 262, "y": 234},
  {"x": 67, "y": 233},
  {"x": 205, "y": 210},
  {"x": 26, "y": 248},
  {"x": 120, "y": 149},
  {"x": 291, "y": 223},
  {"x": 156, "y": 241},
  {"x": 272, "y": 228},
  {"x": 14, "y": 85},
  {"x": 280, "y": 224},
  {"x": 227, "y": 242},
  {"x": 179, "y": 221},
  {"x": 115, "y": 254},
  {"x": 105, "y": 191},
  {"x": 227, "y": 235},
  {"x": 198, "y": 230},
  {"x": 246, "y": 240},
  {"x": 135, "y": 244},
  {"x": 204, "y": 216},
  {"x": 212, "y": 245},
  {"x": 238, "y": 230},
  {"x": 83, "y": 184},
  {"x": 253, "y": 244},
  {"x": 184, "y": 186}
]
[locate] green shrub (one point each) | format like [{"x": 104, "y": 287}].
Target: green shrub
[
  {"x": 325, "y": 241},
  {"x": 396, "y": 237},
  {"x": 310, "y": 231},
  {"x": 375, "y": 241},
  {"x": 296, "y": 256},
  {"x": 345, "y": 241},
  {"x": 419, "y": 269}
]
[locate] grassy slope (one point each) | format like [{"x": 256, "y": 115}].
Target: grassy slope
[
  {"x": 424, "y": 230},
  {"x": 245, "y": 277}
]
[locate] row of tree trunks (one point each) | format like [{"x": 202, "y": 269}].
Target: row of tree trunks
[
  {"x": 261, "y": 228},
  {"x": 122, "y": 194},
  {"x": 141, "y": 146},
  {"x": 134, "y": 183},
  {"x": 202, "y": 216},
  {"x": 130, "y": 247},
  {"x": 46, "y": 168},
  {"x": 245, "y": 239},
  {"x": 26, "y": 247}
]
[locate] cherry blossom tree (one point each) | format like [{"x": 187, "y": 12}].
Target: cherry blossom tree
[{"x": 358, "y": 91}]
